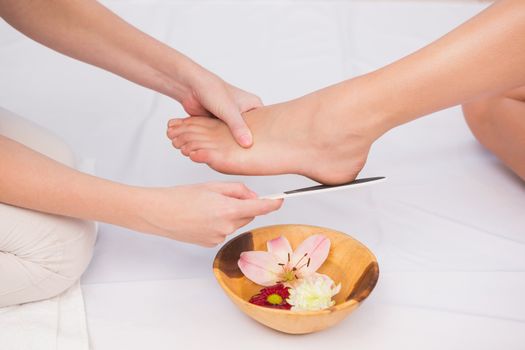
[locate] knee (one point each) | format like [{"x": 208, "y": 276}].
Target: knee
[
  {"x": 476, "y": 112},
  {"x": 79, "y": 248},
  {"x": 66, "y": 261},
  {"x": 72, "y": 253},
  {"x": 478, "y": 115},
  {"x": 43, "y": 254},
  {"x": 58, "y": 259},
  {"x": 69, "y": 258}
]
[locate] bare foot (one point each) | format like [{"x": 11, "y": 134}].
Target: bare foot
[{"x": 310, "y": 136}]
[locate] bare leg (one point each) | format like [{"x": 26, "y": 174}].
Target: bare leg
[
  {"x": 499, "y": 125},
  {"x": 326, "y": 135}
]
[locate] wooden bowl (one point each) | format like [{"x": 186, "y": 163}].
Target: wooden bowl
[{"x": 349, "y": 263}]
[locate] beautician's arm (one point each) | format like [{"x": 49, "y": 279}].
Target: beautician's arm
[
  {"x": 86, "y": 30},
  {"x": 200, "y": 214}
]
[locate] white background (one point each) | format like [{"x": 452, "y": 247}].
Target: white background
[{"x": 447, "y": 228}]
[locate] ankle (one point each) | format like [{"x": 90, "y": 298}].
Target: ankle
[{"x": 355, "y": 109}]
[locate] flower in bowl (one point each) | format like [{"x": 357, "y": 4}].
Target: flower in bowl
[
  {"x": 290, "y": 276},
  {"x": 281, "y": 264},
  {"x": 315, "y": 292},
  {"x": 273, "y": 296}
]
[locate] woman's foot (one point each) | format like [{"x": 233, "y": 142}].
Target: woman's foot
[{"x": 317, "y": 136}]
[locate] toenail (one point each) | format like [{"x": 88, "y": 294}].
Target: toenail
[{"x": 174, "y": 122}]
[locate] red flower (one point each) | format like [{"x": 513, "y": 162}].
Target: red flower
[{"x": 273, "y": 297}]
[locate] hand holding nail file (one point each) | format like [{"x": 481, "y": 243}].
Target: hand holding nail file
[{"x": 325, "y": 188}]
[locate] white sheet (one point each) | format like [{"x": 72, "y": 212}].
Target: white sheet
[
  {"x": 447, "y": 228},
  {"x": 58, "y": 323}
]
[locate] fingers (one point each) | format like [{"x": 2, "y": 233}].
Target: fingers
[
  {"x": 234, "y": 190},
  {"x": 256, "y": 207},
  {"x": 250, "y": 102},
  {"x": 219, "y": 238},
  {"x": 237, "y": 211},
  {"x": 243, "y": 222},
  {"x": 245, "y": 100},
  {"x": 247, "y": 205}
]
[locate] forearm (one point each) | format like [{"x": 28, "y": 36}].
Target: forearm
[
  {"x": 31, "y": 180},
  {"x": 483, "y": 56},
  {"x": 87, "y": 31}
]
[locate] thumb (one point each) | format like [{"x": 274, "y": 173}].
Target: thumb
[
  {"x": 238, "y": 128},
  {"x": 223, "y": 106},
  {"x": 256, "y": 207},
  {"x": 234, "y": 190}
]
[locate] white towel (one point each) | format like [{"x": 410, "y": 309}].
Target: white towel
[{"x": 58, "y": 323}]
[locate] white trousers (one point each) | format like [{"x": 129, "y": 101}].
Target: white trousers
[{"x": 41, "y": 255}]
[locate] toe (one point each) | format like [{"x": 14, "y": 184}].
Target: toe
[
  {"x": 170, "y": 133},
  {"x": 185, "y": 138},
  {"x": 192, "y": 146},
  {"x": 174, "y": 122},
  {"x": 186, "y": 128},
  {"x": 184, "y": 150},
  {"x": 202, "y": 155},
  {"x": 179, "y": 142},
  {"x": 205, "y": 122},
  {"x": 175, "y": 143}
]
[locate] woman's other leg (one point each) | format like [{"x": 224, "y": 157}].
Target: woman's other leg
[
  {"x": 41, "y": 255},
  {"x": 499, "y": 124}
]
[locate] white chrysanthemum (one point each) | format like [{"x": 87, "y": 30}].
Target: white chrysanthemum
[{"x": 312, "y": 293}]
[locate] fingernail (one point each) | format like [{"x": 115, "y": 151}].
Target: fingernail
[{"x": 246, "y": 140}]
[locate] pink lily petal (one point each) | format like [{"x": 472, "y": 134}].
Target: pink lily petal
[
  {"x": 281, "y": 248},
  {"x": 315, "y": 248},
  {"x": 260, "y": 267}
]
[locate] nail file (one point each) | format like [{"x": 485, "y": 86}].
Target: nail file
[{"x": 325, "y": 188}]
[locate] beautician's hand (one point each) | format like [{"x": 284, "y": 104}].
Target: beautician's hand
[
  {"x": 203, "y": 214},
  {"x": 88, "y": 31},
  {"x": 212, "y": 96}
]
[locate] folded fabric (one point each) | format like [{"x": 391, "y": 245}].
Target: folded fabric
[{"x": 58, "y": 323}]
